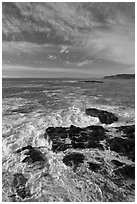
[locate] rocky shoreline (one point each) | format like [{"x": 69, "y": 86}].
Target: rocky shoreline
[
  {"x": 121, "y": 76},
  {"x": 108, "y": 153}
]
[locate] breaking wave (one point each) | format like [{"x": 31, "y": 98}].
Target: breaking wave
[{"x": 34, "y": 172}]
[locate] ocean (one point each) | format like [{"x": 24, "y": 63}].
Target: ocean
[{"x": 30, "y": 106}]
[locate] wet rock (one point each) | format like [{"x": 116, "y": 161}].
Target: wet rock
[
  {"x": 75, "y": 137},
  {"x": 19, "y": 180},
  {"x": 80, "y": 145},
  {"x": 29, "y": 147},
  {"x": 74, "y": 131},
  {"x": 126, "y": 143},
  {"x": 123, "y": 145},
  {"x": 13, "y": 197},
  {"x": 57, "y": 146},
  {"x": 95, "y": 135},
  {"x": 53, "y": 132},
  {"x": 127, "y": 171},
  {"x": 19, "y": 184},
  {"x": 129, "y": 130},
  {"x": 117, "y": 163},
  {"x": 93, "y": 81},
  {"x": 88, "y": 137},
  {"x": 59, "y": 137},
  {"x": 94, "y": 144},
  {"x": 23, "y": 110},
  {"x": 97, "y": 128},
  {"x": 22, "y": 192},
  {"x": 94, "y": 166},
  {"x": 33, "y": 154},
  {"x": 73, "y": 159},
  {"x": 104, "y": 116}
]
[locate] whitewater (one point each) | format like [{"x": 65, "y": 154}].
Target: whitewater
[{"x": 29, "y": 107}]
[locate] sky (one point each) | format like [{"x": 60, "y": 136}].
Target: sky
[{"x": 70, "y": 39}]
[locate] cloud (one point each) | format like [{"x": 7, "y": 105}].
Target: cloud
[
  {"x": 26, "y": 71},
  {"x": 52, "y": 57},
  {"x": 115, "y": 41},
  {"x": 46, "y": 69},
  {"x": 64, "y": 49},
  {"x": 69, "y": 36},
  {"x": 58, "y": 22},
  {"x": 84, "y": 62},
  {"x": 111, "y": 46}
]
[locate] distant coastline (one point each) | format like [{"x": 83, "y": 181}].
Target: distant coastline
[{"x": 121, "y": 76}]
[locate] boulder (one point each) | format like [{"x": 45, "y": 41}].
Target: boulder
[
  {"x": 117, "y": 163},
  {"x": 129, "y": 130},
  {"x": 53, "y": 132},
  {"x": 123, "y": 145},
  {"x": 73, "y": 159},
  {"x": 19, "y": 185},
  {"x": 75, "y": 137},
  {"x": 94, "y": 166},
  {"x": 104, "y": 116},
  {"x": 19, "y": 180},
  {"x": 33, "y": 154},
  {"x": 126, "y": 171}
]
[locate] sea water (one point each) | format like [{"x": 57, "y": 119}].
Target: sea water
[{"x": 29, "y": 106}]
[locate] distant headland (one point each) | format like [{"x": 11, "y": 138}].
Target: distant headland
[{"x": 121, "y": 76}]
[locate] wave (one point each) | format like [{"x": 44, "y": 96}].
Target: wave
[
  {"x": 51, "y": 180},
  {"x": 36, "y": 121}
]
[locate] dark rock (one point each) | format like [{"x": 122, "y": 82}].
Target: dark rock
[
  {"x": 33, "y": 154},
  {"x": 93, "y": 81},
  {"x": 117, "y": 163},
  {"x": 76, "y": 145},
  {"x": 127, "y": 171},
  {"x": 123, "y": 145},
  {"x": 23, "y": 192},
  {"x": 23, "y": 110},
  {"x": 96, "y": 132},
  {"x": 97, "y": 128},
  {"x": 57, "y": 131},
  {"x": 75, "y": 137},
  {"x": 73, "y": 130},
  {"x": 88, "y": 137},
  {"x": 129, "y": 130},
  {"x": 13, "y": 197},
  {"x": 94, "y": 166},
  {"x": 104, "y": 116},
  {"x": 60, "y": 146},
  {"x": 94, "y": 144},
  {"x": 19, "y": 183},
  {"x": 29, "y": 147},
  {"x": 95, "y": 135},
  {"x": 126, "y": 143},
  {"x": 73, "y": 159},
  {"x": 19, "y": 180}
]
